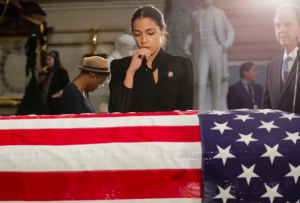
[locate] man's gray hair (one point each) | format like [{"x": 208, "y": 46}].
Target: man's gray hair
[{"x": 295, "y": 8}]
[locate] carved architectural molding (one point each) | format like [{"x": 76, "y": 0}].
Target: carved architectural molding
[{"x": 100, "y": 5}]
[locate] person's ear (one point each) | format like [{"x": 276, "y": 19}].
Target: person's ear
[{"x": 93, "y": 76}]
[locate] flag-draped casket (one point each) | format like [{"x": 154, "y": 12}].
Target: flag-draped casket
[{"x": 180, "y": 157}]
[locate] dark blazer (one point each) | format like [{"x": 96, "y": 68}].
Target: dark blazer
[
  {"x": 238, "y": 97},
  {"x": 173, "y": 91},
  {"x": 72, "y": 101},
  {"x": 278, "y": 95},
  {"x": 59, "y": 81}
]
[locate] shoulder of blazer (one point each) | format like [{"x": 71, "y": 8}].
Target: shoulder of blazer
[
  {"x": 276, "y": 60},
  {"x": 235, "y": 86},
  {"x": 122, "y": 64}
]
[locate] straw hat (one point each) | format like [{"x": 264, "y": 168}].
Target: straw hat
[{"x": 95, "y": 64}]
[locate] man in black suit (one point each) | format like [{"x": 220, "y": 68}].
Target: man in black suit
[
  {"x": 245, "y": 93},
  {"x": 281, "y": 72}
]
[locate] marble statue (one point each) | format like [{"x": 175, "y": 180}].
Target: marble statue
[
  {"x": 210, "y": 38},
  {"x": 124, "y": 46}
]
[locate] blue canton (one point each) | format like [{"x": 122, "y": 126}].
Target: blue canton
[{"x": 250, "y": 156}]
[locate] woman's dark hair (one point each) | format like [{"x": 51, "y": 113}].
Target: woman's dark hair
[
  {"x": 55, "y": 56},
  {"x": 150, "y": 11},
  {"x": 245, "y": 67},
  {"x": 87, "y": 72}
]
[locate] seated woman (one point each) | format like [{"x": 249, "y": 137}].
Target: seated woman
[
  {"x": 75, "y": 98},
  {"x": 151, "y": 79}
]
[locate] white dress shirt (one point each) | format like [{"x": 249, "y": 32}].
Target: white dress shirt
[{"x": 293, "y": 55}]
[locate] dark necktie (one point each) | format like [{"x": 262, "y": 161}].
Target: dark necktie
[
  {"x": 285, "y": 68},
  {"x": 250, "y": 91}
]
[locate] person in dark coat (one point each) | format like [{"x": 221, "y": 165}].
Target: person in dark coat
[
  {"x": 75, "y": 99},
  {"x": 55, "y": 80},
  {"x": 150, "y": 80},
  {"x": 245, "y": 93},
  {"x": 281, "y": 72}
]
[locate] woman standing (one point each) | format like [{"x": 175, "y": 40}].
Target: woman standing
[
  {"x": 56, "y": 79},
  {"x": 151, "y": 79}
]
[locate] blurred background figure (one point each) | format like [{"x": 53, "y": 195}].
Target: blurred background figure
[
  {"x": 245, "y": 93},
  {"x": 211, "y": 36},
  {"x": 55, "y": 80}
]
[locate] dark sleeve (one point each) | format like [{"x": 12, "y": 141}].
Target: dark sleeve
[
  {"x": 120, "y": 99},
  {"x": 266, "y": 102},
  {"x": 232, "y": 99},
  {"x": 186, "y": 87},
  {"x": 71, "y": 102},
  {"x": 64, "y": 79}
]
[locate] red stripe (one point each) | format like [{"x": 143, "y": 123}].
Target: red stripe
[
  {"x": 100, "y": 185},
  {"x": 99, "y": 135},
  {"x": 175, "y": 113}
]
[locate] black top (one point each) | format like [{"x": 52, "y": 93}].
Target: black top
[
  {"x": 173, "y": 91},
  {"x": 59, "y": 81},
  {"x": 72, "y": 101}
]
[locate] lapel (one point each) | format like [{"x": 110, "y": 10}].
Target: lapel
[
  {"x": 278, "y": 76},
  {"x": 291, "y": 76},
  {"x": 242, "y": 87}
]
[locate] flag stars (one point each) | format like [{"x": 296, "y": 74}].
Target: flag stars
[
  {"x": 292, "y": 136},
  {"x": 289, "y": 116},
  {"x": 248, "y": 173},
  {"x": 221, "y": 127},
  {"x": 243, "y": 117},
  {"x": 265, "y": 111},
  {"x": 295, "y": 172},
  {"x": 220, "y": 113},
  {"x": 271, "y": 193},
  {"x": 224, "y": 154},
  {"x": 224, "y": 194},
  {"x": 269, "y": 126},
  {"x": 272, "y": 153},
  {"x": 246, "y": 138}
]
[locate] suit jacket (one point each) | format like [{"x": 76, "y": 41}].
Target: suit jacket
[
  {"x": 224, "y": 33},
  {"x": 278, "y": 95},
  {"x": 238, "y": 97}
]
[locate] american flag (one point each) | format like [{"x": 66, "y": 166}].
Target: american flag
[
  {"x": 250, "y": 156},
  {"x": 112, "y": 158}
]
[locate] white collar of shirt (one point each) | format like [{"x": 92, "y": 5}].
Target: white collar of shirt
[{"x": 293, "y": 54}]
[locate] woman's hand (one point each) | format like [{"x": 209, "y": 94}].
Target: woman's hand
[
  {"x": 136, "y": 62},
  {"x": 137, "y": 59},
  {"x": 57, "y": 95}
]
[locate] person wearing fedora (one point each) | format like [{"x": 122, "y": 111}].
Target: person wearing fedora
[
  {"x": 151, "y": 80},
  {"x": 75, "y": 99}
]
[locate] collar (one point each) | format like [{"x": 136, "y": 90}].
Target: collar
[
  {"x": 159, "y": 59},
  {"x": 245, "y": 82},
  {"x": 293, "y": 54}
]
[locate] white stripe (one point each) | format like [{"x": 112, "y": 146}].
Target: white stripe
[
  {"x": 177, "y": 200},
  {"x": 113, "y": 156},
  {"x": 101, "y": 122}
]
